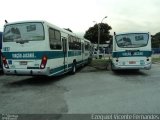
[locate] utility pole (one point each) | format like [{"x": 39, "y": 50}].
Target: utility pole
[{"x": 99, "y": 34}]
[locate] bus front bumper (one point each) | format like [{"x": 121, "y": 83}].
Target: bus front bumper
[
  {"x": 29, "y": 72},
  {"x": 123, "y": 67}
]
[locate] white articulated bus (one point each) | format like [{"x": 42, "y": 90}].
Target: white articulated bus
[
  {"x": 131, "y": 51},
  {"x": 40, "y": 48}
]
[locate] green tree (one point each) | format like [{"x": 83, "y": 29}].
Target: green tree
[
  {"x": 156, "y": 40},
  {"x": 92, "y": 33}
]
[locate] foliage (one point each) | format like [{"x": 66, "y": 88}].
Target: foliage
[
  {"x": 100, "y": 64},
  {"x": 155, "y": 59},
  {"x": 156, "y": 40},
  {"x": 92, "y": 33}
]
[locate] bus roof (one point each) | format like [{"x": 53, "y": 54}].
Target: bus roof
[{"x": 43, "y": 21}]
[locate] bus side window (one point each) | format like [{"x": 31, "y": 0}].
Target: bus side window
[
  {"x": 55, "y": 39},
  {"x": 71, "y": 42},
  {"x": 87, "y": 46}
]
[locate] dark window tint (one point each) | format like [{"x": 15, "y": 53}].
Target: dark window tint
[
  {"x": 55, "y": 39},
  {"x": 87, "y": 46},
  {"x": 74, "y": 43}
]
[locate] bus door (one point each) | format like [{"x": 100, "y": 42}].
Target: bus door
[{"x": 65, "y": 53}]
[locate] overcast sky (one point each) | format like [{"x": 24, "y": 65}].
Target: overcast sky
[{"x": 78, "y": 15}]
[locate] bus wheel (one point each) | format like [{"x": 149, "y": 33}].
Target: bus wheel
[{"x": 73, "y": 68}]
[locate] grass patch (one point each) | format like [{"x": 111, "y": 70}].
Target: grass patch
[
  {"x": 100, "y": 63},
  {"x": 156, "y": 59}
]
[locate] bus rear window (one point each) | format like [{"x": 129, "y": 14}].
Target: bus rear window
[
  {"x": 132, "y": 40},
  {"x": 23, "y": 32}
]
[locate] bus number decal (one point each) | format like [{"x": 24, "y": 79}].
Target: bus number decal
[
  {"x": 23, "y": 55},
  {"x": 134, "y": 54}
]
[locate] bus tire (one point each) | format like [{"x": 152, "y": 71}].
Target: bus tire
[{"x": 73, "y": 68}]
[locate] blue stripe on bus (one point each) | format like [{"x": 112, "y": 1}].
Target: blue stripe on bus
[
  {"x": 60, "y": 70},
  {"x": 39, "y": 54},
  {"x": 132, "y": 54},
  {"x": 57, "y": 69}
]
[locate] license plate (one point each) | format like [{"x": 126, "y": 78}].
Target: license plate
[
  {"x": 132, "y": 62},
  {"x": 23, "y": 62}
]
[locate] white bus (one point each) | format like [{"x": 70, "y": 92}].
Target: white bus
[
  {"x": 40, "y": 48},
  {"x": 131, "y": 51}
]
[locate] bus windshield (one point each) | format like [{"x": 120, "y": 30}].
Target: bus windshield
[
  {"x": 28, "y": 31},
  {"x": 132, "y": 40}
]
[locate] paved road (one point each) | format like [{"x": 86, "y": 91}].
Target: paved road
[
  {"x": 88, "y": 91},
  {"x": 108, "y": 92}
]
